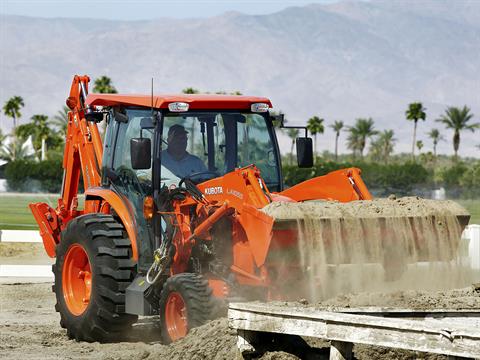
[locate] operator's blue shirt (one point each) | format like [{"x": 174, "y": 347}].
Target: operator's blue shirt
[{"x": 190, "y": 164}]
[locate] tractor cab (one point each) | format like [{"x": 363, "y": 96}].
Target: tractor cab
[{"x": 200, "y": 138}]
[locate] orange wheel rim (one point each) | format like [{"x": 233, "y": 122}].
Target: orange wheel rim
[
  {"x": 176, "y": 316},
  {"x": 76, "y": 279}
]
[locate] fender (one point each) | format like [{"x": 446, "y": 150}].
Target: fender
[{"x": 123, "y": 210}]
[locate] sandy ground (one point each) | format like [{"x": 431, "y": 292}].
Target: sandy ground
[
  {"x": 29, "y": 329},
  {"x": 29, "y": 325}
]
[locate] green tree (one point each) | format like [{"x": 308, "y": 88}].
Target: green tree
[
  {"x": 12, "y": 109},
  {"x": 470, "y": 182},
  {"x": 337, "y": 126},
  {"x": 315, "y": 126},
  {"x": 60, "y": 120},
  {"x": 40, "y": 131},
  {"x": 190, "y": 90},
  {"x": 419, "y": 145},
  {"x": 353, "y": 141},
  {"x": 2, "y": 138},
  {"x": 435, "y": 135},
  {"x": 359, "y": 133},
  {"x": 292, "y": 134},
  {"x": 15, "y": 150},
  {"x": 104, "y": 85},
  {"x": 236, "y": 92},
  {"x": 415, "y": 112},
  {"x": 382, "y": 147},
  {"x": 458, "y": 120}
]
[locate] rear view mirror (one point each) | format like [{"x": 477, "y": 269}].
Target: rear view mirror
[
  {"x": 141, "y": 153},
  {"x": 304, "y": 152}
]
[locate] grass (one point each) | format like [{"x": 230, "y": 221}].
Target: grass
[
  {"x": 15, "y": 213},
  {"x": 473, "y": 207}
]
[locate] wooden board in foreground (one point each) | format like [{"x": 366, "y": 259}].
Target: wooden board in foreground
[{"x": 449, "y": 333}]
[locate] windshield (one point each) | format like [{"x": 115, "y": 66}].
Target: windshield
[{"x": 211, "y": 144}]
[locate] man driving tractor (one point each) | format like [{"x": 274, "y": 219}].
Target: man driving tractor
[{"x": 176, "y": 158}]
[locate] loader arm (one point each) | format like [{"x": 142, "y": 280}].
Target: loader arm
[
  {"x": 82, "y": 153},
  {"x": 342, "y": 185}
]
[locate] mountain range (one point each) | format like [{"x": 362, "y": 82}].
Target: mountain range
[{"x": 339, "y": 61}]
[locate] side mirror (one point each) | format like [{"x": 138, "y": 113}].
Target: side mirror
[
  {"x": 141, "y": 153},
  {"x": 94, "y": 116},
  {"x": 304, "y": 152}
]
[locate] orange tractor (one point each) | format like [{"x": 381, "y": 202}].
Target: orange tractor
[{"x": 171, "y": 223}]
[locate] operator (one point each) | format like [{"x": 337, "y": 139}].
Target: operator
[{"x": 176, "y": 158}]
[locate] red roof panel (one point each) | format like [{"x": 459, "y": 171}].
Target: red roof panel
[{"x": 196, "y": 101}]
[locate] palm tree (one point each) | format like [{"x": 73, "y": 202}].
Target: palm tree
[
  {"x": 457, "y": 119},
  {"x": 292, "y": 134},
  {"x": 419, "y": 145},
  {"x": 12, "y": 109},
  {"x": 315, "y": 126},
  {"x": 337, "y": 126},
  {"x": 415, "y": 112},
  {"x": 60, "y": 120},
  {"x": 353, "y": 141},
  {"x": 2, "y": 138},
  {"x": 435, "y": 135},
  {"x": 103, "y": 85},
  {"x": 382, "y": 146},
  {"x": 15, "y": 150},
  {"x": 360, "y": 132},
  {"x": 42, "y": 131}
]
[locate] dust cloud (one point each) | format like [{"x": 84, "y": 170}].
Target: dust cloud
[{"x": 381, "y": 245}]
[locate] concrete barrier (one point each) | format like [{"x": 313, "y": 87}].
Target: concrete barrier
[
  {"x": 27, "y": 236},
  {"x": 26, "y": 271},
  {"x": 472, "y": 235}
]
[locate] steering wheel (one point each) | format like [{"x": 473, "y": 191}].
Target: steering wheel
[{"x": 207, "y": 172}]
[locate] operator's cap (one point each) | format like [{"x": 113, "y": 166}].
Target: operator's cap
[{"x": 176, "y": 129}]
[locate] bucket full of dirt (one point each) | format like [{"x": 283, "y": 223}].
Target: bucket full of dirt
[{"x": 319, "y": 236}]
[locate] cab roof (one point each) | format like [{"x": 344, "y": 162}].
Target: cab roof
[{"x": 195, "y": 101}]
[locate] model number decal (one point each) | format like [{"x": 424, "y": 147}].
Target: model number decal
[{"x": 214, "y": 190}]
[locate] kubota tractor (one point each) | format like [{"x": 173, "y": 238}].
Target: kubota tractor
[{"x": 161, "y": 234}]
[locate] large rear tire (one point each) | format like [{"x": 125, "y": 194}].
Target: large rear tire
[
  {"x": 92, "y": 270},
  {"x": 186, "y": 302}
]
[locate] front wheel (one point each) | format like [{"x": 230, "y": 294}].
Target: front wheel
[
  {"x": 92, "y": 270},
  {"x": 186, "y": 302}
]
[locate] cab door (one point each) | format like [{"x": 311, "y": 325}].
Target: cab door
[{"x": 134, "y": 185}]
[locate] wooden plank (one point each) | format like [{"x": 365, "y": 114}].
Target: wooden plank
[
  {"x": 330, "y": 316},
  {"x": 414, "y": 335}
]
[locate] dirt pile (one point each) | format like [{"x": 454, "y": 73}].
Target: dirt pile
[
  {"x": 455, "y": 299},
  {"x": 387, "y": 234},
  {"x": 388, "y": 207}
]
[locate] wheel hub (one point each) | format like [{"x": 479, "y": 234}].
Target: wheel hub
[
  {"x": 76, "y": 279},
  {"x": 176, "y": 316}
]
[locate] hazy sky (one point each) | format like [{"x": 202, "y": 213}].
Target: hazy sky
[{"x": 144, "y": 9}]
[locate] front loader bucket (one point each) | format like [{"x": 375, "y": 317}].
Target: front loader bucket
[{"x": 377, "y": 231}]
